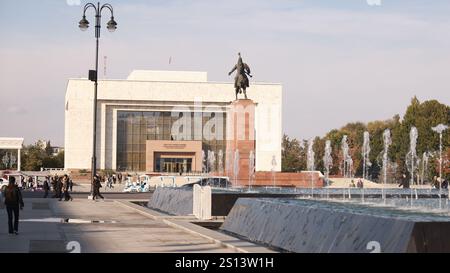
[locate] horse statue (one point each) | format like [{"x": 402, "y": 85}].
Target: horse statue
[{"x": 241, "y": 80}]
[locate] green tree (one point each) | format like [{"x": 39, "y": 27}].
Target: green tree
[
  {"x": 34, "y": 158},
  {"x": 423, "y": 116},
  {"x": 291, "y": 155},
  {"x": 319, "y": 152}
]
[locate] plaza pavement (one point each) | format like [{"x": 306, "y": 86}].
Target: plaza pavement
[
  {"x": 86, "y": 187},
  {"x": 122, "y": 227}
]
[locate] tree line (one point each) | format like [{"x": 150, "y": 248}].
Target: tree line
[{"x": 422, "y": 115}]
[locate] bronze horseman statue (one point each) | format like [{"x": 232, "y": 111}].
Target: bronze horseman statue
[{"x": 241, "y": 80}]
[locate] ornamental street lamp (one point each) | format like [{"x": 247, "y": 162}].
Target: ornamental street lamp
[
  {"x": 12, "y": 160},
  {"x": 84, "y": 25},
  {"x": 5, "y": 160},
  {"x": 9, "y": 160},
  {"x": 440, "y": 128}
]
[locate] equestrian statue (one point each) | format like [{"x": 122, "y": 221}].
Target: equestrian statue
[{"x": 241, "y": 80}]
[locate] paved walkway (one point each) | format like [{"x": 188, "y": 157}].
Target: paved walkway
[
  {"x": 119, "y": 229},
  {"x": 86, "y": 187}
]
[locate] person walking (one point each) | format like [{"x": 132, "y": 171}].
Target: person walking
[
  {"x": 30, "y": 182},
  {"x": 110, "y": 181},
  {"x": 21, "y": 182},
  {"x": 70, "y": 184},
  {"x": 59, "y": 188},
  {"x": 13, "y": 202},
  {"x": 55, "y": 186},
  {"x": 119, "y": 177},
  {"x": 46, "y": 187},
  {"x": 360, "y": 184},
  {"x": 97, "y": 185},
  {"x": 65, "y": 188}
]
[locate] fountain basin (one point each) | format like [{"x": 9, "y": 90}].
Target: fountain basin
[
  {"x": 179, "y": 201},
  {"x": 313, "y": 226}
]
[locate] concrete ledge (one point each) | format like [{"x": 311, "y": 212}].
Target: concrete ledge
[
  {"x": 318, "y": 227},
  {"x": 175, "y": 201}
]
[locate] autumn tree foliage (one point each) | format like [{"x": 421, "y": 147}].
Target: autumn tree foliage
[{"x": 422, "y": 115}]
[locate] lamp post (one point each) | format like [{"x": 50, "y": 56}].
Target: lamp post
[
  {"x": 5, "y": 160},
  {"x": 440, "y": 128},
  {"x": 111, "y": 26}
]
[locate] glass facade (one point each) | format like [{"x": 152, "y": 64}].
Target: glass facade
[{"x": 134, "y": 128}]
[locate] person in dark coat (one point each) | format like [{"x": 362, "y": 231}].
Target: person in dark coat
[
  {"x": 59, "y": 189},
  {"x": 65, "y": 188},
  {"x": 46, "y": 187},
  {"x": 404, "y": 182},
  {"x": 97, "y": 185},
  {"x": 70, "y": 184},
  {"x": 13, "y": 202},
  {"x": 54, "y": 186},
  {"x": 30, "y": 183},
  {"x": 444, "y": 184}
]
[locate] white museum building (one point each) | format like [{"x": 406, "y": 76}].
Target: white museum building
[{"x": 170, "y": 121}]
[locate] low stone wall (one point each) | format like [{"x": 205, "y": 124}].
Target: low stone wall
[
  {"x": 175, "y": 201},
  {"x": 303, "y": 179},
  {"x": 283, "y": 179},
  {"x": 310, "y": 228},
  {"x": 179, "y": 201}
]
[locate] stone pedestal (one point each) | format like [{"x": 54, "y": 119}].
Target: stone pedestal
[{"x": 240, "y": 137}]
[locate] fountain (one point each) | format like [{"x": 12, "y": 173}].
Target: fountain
[
  {"x": 229, "y": 163},
  {"x": 365, "y": 154},
  {"x": 220, "y": 162},
  {"x": 211, "y": 161},
  {"x": 236, "y": 166},
  {"x": 327, "y": 162},
  {"x": 386, "y": 143},
  {"x": 366, "y": 159},
  {"x": 251, "y": 168},
  {"x": 350, "y": 167},
  {"x": 411, "y": 157},
  {"x": 310, "y": 163},
  {"x": 424, "y": 167},
  {"x": 274, "y": 165},
  {"x": 346, "y": 159},
  {"x": 203, "y": 162},
  {"x": 277, "y": 222}
]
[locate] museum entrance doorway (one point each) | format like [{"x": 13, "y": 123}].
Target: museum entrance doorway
[{"x": 174, "y": 162}]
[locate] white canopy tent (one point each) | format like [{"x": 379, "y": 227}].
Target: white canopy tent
[{"x": 11, "y": 143}]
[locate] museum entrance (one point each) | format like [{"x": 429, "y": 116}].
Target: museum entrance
[
  {"x": 175, "y": 165},
  {"x": 168, "y": 163}
]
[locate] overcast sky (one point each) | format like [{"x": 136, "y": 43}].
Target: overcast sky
[{"x": 338, "y": 61}]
